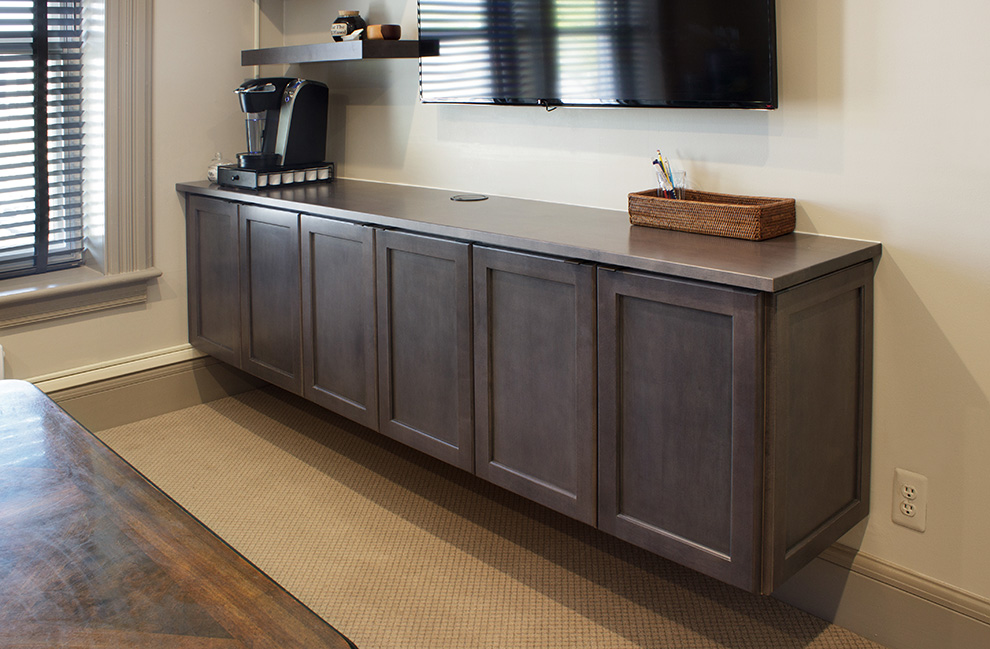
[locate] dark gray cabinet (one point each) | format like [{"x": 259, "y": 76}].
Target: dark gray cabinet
[
  {"x": 340, "y": 366},
  {"x": 534, "y": 342},
  {"x": 706, "y": 399},
  {"x": 212, "y": 276},
  {"x": 243, "y": 288},
  {"x": 424, "y": 332},
  {"x": 271, "y": 338},
  {"x": 734, "y": 425},
  {"x": 680, "y": 423}
]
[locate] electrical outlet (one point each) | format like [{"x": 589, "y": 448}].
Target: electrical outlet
[{"x": 910, "y": 505}]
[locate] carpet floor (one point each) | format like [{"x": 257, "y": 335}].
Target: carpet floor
[{"x": 398, "y": 551}]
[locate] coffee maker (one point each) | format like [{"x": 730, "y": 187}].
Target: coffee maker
[{"x": 286, "y": 128}]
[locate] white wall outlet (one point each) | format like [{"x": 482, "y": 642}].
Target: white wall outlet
[{"x": 910, "y": 503}]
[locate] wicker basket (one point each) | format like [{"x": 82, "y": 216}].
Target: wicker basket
[{"x": 742, "y": 217}]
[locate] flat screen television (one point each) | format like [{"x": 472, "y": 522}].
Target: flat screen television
[{"x": 660, "y": 53}]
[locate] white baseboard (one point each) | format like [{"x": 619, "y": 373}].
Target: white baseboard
[
  {"x": 891, "y": 605},
  {"x": 914, "y": 583},
  {"x": 127, "y": 390},
  {"x": 91, "y": 374}
]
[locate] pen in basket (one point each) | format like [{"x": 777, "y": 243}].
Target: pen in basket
[{"x": 665, "y": 179}]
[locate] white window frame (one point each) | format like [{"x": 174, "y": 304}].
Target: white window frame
[{"x": 119, "y": 272}]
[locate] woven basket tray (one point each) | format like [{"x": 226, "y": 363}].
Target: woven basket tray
[{"x": 742, "y": 217}]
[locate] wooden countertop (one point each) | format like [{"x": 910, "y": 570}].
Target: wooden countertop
[{"x": 590, "y": 234}]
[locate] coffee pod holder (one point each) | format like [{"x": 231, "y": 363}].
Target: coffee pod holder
[{"x": 234, "y": 176}]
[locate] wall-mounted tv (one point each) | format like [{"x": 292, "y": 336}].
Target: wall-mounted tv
[{"x": 663, "y": 53}]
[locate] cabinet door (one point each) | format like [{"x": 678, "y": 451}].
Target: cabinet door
[
  {"x": 338, "y": 286},
  {"x": 212, "y": 266},
  {"x": 680, "y": 421},
  {"x": 270, "y": 297},
  {"x": 534, "y": 355},
  {"x": 424, "y": 330}
]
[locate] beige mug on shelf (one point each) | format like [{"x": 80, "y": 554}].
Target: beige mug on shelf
[{"x": 384, "y": 32}]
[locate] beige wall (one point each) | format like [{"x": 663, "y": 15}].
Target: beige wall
[{"x": 880, "y": 135}]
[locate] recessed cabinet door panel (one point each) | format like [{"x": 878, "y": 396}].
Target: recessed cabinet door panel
[
  {"x": 424, "y": 293},
  {"x": 270, "y": 296},
  {"x": 534, "y": 378},
  {"x": 340, "y": 357},
  {"x": 679, "y": 421},
  {"x": 212, "y": 269}
]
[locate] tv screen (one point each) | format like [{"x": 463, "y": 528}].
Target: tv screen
[{"x": 668, "y": 53}]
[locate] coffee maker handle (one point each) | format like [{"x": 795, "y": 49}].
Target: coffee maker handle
[{"x": 268, "y": 87}]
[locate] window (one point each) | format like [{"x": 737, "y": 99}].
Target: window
[
  {"x": 41, "y": 130},
  {"x": 116, "y": 245}
]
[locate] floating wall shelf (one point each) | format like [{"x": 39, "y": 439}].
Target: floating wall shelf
[{"x": 342, "y": 51}]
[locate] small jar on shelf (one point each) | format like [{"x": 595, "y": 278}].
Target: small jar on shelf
[{"x": 347, "y": 22}]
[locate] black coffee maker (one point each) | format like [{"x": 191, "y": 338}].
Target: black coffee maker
[{"x": 286, "y": 127}]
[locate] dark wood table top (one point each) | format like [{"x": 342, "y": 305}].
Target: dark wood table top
[
  {"x": 570, "y": 231},
  {"x": 94, "y": 555}
]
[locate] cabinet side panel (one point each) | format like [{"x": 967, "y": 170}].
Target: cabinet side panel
[
  {"x": 819, "y": 416},
  {"x": 675, "y": 426},
  {"x": 823, "y": 359}
]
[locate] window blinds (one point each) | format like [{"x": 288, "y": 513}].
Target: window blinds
[{"x": 41, "y": 129}]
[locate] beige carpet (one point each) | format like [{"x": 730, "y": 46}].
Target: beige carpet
[{"x": 398, "y": 551}]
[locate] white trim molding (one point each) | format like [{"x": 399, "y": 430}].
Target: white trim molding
[
  {"x": 70, "y": 292},
  {"x": 889, "y": 604},
  {"x": 86, "y": 377},
  {"x": 128, "y": 135},
  {"x": 914, "y": 583},
  {"x": 129, "y": 389},
  {"x": 126, "y": 256}
]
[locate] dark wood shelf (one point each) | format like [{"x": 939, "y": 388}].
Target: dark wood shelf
[{"x": 342, "y": 51}]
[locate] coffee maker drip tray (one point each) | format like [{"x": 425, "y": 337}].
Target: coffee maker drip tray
[{"x": 235, "y": 176}]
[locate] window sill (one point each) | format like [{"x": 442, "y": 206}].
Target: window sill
[{"x": 37, "y": 298}]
